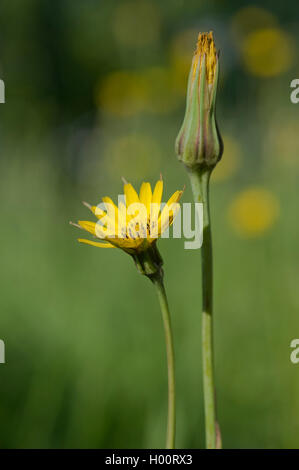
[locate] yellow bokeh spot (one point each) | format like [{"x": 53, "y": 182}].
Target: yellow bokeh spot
[
  {"x": 127, "y": 93},
  {"x": 268, "y": 52},
  {"x": 230, "y": 161},
  {"x": 136, "y": 23},
  {"x": 253, "y": 212},
  {"x": 123, "y": 93},
  {"x": 251, "y": 18},
  {"x": 134, "y": 155}
]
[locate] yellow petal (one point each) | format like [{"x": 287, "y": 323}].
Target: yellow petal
[
  {"x": 138, "y": 213},
  {"x": 112, "y": 211},
  {"x": 110, "y": 206},
  {"x": 99, "y": 213},
  {"x": 122, "y": 221},
  {"x": 125, "y": 243},
  {"x": 107, "y": 231},
  {"x": 88, "y": 226},
  {"x": 157, "y": 194},
  {"x": 100, "y": 244},
  {"x": 175, "y": 197},
  {"x": 145, "y": 197},
  {"x": 168, "y": 216},
  {"x": 97, "y": 229},
  {"x": 131, "y": 195},
  {"x": 169, "y": 211},
  {"x": 155, "y": 208}
]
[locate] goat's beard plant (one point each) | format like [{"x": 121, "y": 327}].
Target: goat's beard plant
[
  {"x": 199, "y": 146},
  {"x": 135, "y": 227}
]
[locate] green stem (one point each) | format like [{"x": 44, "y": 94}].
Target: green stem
[
  {"x": 159, "y": 284},
  {"x": 200, "y": 188}
]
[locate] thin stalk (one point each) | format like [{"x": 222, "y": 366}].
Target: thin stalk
[
  {"x": 200, "y": 188},
  {"x": 159, "y": 284}
]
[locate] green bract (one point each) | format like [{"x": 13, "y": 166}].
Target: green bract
[{"x": 199, "y": 144}]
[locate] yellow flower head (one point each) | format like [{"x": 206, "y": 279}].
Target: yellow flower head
[{"x": 134, "y": 224}]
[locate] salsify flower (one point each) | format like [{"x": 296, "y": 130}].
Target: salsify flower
[
  {"x": 199, "y": 146},
  {"x": 134, "y": 225}
]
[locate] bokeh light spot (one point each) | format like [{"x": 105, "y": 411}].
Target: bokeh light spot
[
  {"x": 268, "y": 52},
  {"x": 127, "y": 93},
  {"x": 251, "y": 18},
  {"x": 253, "y": 212},
  {"x": 123, "y": 93}
]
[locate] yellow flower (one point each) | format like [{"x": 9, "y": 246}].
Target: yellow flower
[{"x": 135, "y": 225}]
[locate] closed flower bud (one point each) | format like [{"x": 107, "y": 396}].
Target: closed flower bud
[{"x": 199, "y": 144}]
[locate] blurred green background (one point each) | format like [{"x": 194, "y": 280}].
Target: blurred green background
[{"x": 94, "y": 91}]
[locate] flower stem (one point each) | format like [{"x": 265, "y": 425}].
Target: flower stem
[
  {"x": 159, "y": 284},
  {"x": 200, "y": 188}
]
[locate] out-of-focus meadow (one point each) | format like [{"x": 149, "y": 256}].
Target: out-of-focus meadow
[{"x": 95, "y": 91}]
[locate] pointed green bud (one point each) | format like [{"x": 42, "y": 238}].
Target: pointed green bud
[{"x": 199, "y": 144}]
